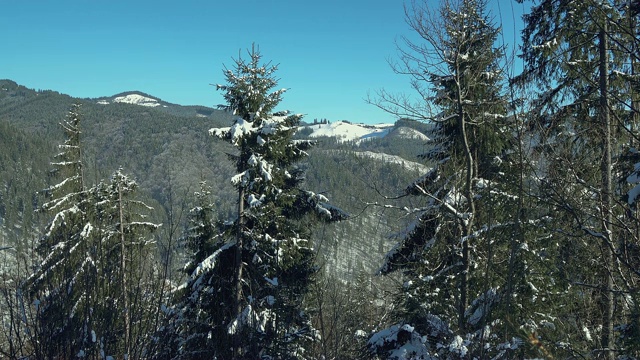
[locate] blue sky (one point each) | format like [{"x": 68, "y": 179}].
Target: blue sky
[{"x": 331, "y": 53}]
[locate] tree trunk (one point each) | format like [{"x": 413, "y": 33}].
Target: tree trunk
[
  {"x": 607, "y": 188},
  {"x": 237, "y": 278},
  {"x": 123, "y": 265},
  {"x": 467, "y": 225}
]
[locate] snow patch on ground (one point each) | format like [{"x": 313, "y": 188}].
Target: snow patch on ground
[
  {"x": 345, "y": 131},
  {"x": 137, "y": 99}
]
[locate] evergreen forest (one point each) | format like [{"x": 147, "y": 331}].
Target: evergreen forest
[{"x": 495, "y": 219}]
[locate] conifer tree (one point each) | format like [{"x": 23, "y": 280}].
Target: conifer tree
[
  {"x": 88, "y": 292},
  {"x": 63, "y": 284},
  {"x": 265, "y": 251},
  {"x": 580, "y": 56},
  {"x": 125, "y": 268},
  {"x": 455, "y": 255}
]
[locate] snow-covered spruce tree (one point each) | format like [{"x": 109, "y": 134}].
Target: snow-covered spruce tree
[
  {"x": 456, "y": 255},
  {"x": 63, "y": 284},
  {"x": 258, "y": 269}
]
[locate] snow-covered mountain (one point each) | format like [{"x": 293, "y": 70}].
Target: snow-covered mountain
[
  {"x": 132, "y": 98},
  {"x": 393, "y": 159},
  {"x": 345, "y": 131},
  {"x": 137, "y": 100}
]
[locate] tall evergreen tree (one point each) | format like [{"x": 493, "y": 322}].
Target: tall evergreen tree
[
  {"x": 63, "y": 284},
  {"x": 584, "y": 116},
  {"x": 265, "y": 251},
  {"x": 456, "y": 255},
  {"x": 87, "y": 290}
]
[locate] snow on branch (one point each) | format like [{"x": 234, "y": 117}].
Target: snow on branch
[
  {"x": 242, "y": 319},
  {"x": 322, "y": 207},
  {"x": 234, "y": 133},
  {"x": 60, "y": 218},
  {"x": 208, "y": 264},
  {"x": 63, "y": 183},
  {"x": 400, "y": 342}
]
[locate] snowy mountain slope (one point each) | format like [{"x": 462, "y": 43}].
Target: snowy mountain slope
[
  {"x": 345, "y": 131},
  {"x": 137, "y": 100},
  {"x": 409, "y": 133},
  {"x": 387, "y": 159},
  {"x": 132, "y": 98},
  {"x": 148, "y": 101}
]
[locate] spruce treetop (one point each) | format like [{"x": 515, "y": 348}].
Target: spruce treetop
[{"x": 248, "y": 93}]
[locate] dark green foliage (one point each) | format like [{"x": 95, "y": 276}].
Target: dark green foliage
[{"x": 200, "y": 312}]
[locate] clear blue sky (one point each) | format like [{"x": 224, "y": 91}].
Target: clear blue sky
[{"x": 331, "y": 53}]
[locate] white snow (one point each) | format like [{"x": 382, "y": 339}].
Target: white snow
[
  {"x": 86, "y": 231},
  {"x": 345, "y": 131},
  {"x": 415, "y": 348},
  {"x": 483, "y": 303},
  {"x": 271, "y": 300},
  {"x": 255, "y": 201},
  {"x": 242, "y": 319},
  {"x": 458, "y": 345},
  {"x": 361, "y": 334},
  {"x": 59, "y": 218},
  {"x": 103, "y": 102},
  {"x": 587, "y": 333},
  {"x": 239, "y": 128},
  {"x": 137, "y": 99}
]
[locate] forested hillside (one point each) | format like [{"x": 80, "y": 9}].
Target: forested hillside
[
  {"x": 496, "y": 219},
  {"x": 168, "y": 151}
]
